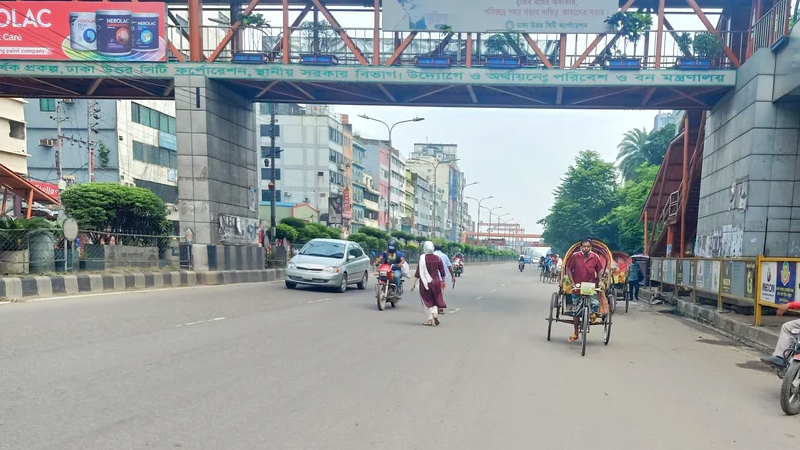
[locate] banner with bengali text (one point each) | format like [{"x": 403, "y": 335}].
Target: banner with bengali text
[{"x": 528, "y": 16}]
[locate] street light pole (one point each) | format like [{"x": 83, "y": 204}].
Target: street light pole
[
  {"x": 478, "y": 225},
  {"x": 461, "y": 201},
  {"x": 390, "y": 129},
  {"x": 489, "y": 228}
]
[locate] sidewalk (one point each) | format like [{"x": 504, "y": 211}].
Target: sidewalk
[
  {"x": 734, "y": 325},
  {"x": 24, "y": 288}
]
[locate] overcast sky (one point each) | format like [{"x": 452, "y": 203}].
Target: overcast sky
[{"x": 517, "y": 156}]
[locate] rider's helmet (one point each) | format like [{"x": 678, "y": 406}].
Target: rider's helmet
[{"x": 392, "y": 247}]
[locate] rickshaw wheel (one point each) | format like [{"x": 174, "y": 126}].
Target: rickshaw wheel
[
  {"x": 553, "y": 306},
  {"x": 607, "y": 328},
  {"x": 585, "y": 328}
]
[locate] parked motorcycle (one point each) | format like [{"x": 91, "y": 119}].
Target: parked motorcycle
[
  {"x": 458, "y": 267},
  {"x": 790, "y": 374},
  {"x": 385, "y": 289}
]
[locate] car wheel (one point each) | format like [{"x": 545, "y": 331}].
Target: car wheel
[
  {"x": 343, "y": 284},
  {"x": 291, "y": 285},
  {"x": 363, "y": 284}
]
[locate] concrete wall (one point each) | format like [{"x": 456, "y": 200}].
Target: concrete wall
[
  {"x": 751, "y": 144},
  {"x": 216, "y": 156},
  {"x": 787, "y": 68}
]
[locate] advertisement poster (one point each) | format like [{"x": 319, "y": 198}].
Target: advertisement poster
[
  {"x": 679, "y": 275},
  {"x": 238, "y": 230},
  {"x": 767, "y": 282},
  {"x": 750, "y": 280},
  {"x": 716, "y": 268},
  {"x": 726, "y": 276},
  {"x": 48, "y": 188},
  {"x": 335, "y": 210},
  {"x": 537, "y": 16},
  {"x": 785, "y": 282},
  {"x": 83, "y": 31},
  {"x": 669, "y": 271},
  {"x": 700, "y": 279},
  {"x": 655, "y": 270},
  {"x": 738, "y": 276},
  {"x": 347, "y": 206}
]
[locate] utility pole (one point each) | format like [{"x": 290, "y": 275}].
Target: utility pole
[
  {"x": 272, "y": 226},
  {"x": 92, "y": 112},
  {"x": 58, "y": 120}
]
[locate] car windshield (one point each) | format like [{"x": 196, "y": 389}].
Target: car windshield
[{"x": 324, "y": 250}]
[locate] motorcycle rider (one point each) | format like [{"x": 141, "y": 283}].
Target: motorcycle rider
[
  {"x": 785, "y": 339},
  {"x": 460, "y": 256},
  {"x": 394, "y": 257}
]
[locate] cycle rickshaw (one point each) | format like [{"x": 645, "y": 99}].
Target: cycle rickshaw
[
  {"x": 561, "y": 302},
  {"x": 619, "y": 277}
]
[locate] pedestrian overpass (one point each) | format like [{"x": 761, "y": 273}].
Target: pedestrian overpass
[{"x": 215, "y": 72}]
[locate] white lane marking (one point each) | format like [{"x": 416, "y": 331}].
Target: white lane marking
[
  {"x": 478, "y": 298},
  {"x": 201, "y": 321},
  {"x": 320, "y": 300},
  {"x": 494, "y": 290},
  {"x": 504, "y": 285},
  {"x": 455, "y": 310}
]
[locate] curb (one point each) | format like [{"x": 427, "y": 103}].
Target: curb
[
  {"x": 12, "y": 289},
  {"x": 758, "y": 337}
]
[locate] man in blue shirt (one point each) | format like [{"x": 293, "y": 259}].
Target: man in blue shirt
[
  {"x": 449, "y": 275},
  {"x": 394, "y": 257}
]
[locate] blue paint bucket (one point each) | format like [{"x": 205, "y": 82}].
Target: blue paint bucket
[
  {"x": 113, "y": 32},
  {"x": 144, "y": 31}
]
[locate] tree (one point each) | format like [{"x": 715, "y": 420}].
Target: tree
[
  {"x": 625, "y": 216},
  {"x": 640, "y": 147},
  {"x": 114, "y": 208},
  {"x": 284, "y": 231},
  {"x": 587, "y": 193},
  {"x": 326, "y": 37}
]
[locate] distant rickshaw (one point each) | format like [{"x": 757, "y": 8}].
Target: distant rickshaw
[{"x": 621, "y": 268}]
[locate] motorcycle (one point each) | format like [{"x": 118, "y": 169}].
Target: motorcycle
[
  {"x": 386, "y": 290},
  {"x": 790, "y": 374},
  {"x": 521, "y": 266},
  {"x": 458, "y": 267}
]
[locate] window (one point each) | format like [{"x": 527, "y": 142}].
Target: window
[
  {"x": 355, "y": 251},
  {"x": 335, "y": 135},
  {"x": 266, "y": 174},
  {"x": 266, "y": 195},
  {"x": 265, "y": 132},
  {"x": 17, "y": 129},
  {"x": 151, "y": 154},
  {"x": 47, "y": 104},
  {"x": 153, "y": 119},
  {"x": 266, "y": 152}
]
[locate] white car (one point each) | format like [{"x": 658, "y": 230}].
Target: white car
[{"x": 328, "y": 263}]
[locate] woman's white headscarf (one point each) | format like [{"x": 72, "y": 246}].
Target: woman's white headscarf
[{"x": 424, "y": 275}]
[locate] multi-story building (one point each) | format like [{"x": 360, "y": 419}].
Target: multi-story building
[
  {"x": 310, "y": 165},
  {"x": 133, "y": 143},
  {"x": 347, "y": 191},
  {"x": 371, "y": 202},
  {"x": 376, "y": 163},
  {"x": 449, "y": 180},
  {"x": 13, "y": 148},
  {"x": 400, "y": 209},
  {"x": 423, "y": 206},
  {"x": 409, "y": 219},
  {"x": 359, "y": 188},
  {"x": 663, "y": 119}
]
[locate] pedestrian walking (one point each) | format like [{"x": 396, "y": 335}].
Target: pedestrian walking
[
  {"x": 430, "y": 272},
  {"x": 634, "y": 277},
  {"x": 450, "y": 276}
]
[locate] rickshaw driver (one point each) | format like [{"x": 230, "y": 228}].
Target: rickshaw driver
[{"x": 585, "y": 267}]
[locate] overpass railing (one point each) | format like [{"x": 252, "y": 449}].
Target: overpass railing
[
  {"x": 772, "y": 26},
  {"x": 740, "y": 283},
  {"x": 576, "y": 51}
]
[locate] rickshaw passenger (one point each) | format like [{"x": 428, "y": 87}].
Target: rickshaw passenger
[{"x": 584, "y": 267}]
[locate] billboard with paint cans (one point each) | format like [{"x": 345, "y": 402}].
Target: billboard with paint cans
[{"x": 82, "y": 31}]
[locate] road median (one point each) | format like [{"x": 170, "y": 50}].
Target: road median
[{"x": 16, "y": 289}]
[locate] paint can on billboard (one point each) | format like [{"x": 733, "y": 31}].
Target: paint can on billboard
[
  {"x": 82, "y": 31},
  {"x": 113, "y": 32},
  {"x": 144, "y": 32}
]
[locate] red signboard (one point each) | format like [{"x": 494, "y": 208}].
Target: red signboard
[
  {"x": 347, "y": 208},
  {"x": 47, "y": 188},
  {"x": 83, "y": 31}
]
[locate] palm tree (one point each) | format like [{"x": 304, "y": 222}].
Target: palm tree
[{"x": 631, "y": 156}]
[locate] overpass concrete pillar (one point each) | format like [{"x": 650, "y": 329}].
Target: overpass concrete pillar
[
  {"x": 749, "y": 195},
  {"x": 217, "y": 178}
]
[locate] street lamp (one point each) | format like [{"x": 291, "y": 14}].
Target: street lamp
[
  {"x": 390, "y": 128},
  {"x": 461, "y": 202},
  {"x": 478, "y": 225},
  {"x": 491, "y": 210},
  {"x": 498, "y": 219},
  {"x": 435, "y": 166}
]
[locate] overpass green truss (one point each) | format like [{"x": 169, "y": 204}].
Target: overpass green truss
[{"x": 404, "y": 86}]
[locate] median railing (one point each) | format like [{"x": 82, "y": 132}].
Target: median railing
[{"x": 739, "y": 283}]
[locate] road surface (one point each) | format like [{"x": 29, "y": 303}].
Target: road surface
[{"x": 256, "y": 366}]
